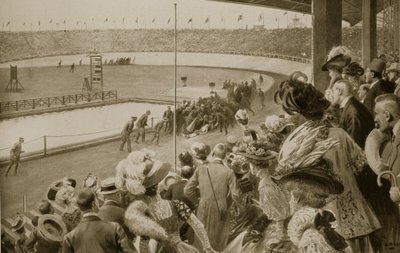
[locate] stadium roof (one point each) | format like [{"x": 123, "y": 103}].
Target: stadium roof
[{"x": 351, "y": 8}]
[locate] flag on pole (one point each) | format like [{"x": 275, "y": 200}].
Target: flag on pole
[
  {"x": 154, "y": 20},
  {"x": 207, "y": 20},
  {"x": 169, "y": 20},
  {"x": 259, "y": 17},
  {"x": 106, "y": 20},
  {"x": 190, "y": 20},
  {"x": 240, "y": 17}
]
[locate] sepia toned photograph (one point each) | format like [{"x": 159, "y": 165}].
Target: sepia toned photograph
[{"x": 200, "y": 126}]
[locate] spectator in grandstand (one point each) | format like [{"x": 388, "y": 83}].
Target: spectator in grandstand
[
  {"x": 141, "y": 124},
  {"x": 353, "y": 72},
  {"x": 157, "y": 129},
  {"x": 363, "y": 91},
  {"x": 338, "y": 58},
  {"x": 112, "y": 209},
  {"x": 18, "y": 227},
  {"x": 47, "y": 236},
  {"x": 126, "y": 133},
  {"x": 373, "y": 76},
  {"x": 93, "y": 234},
  {"x": 261, "y": 96},
  {"x": 355, "y": 218},
  {"x": 15, "y": 156},
  {"x": 393, "y": 76},
  {"x": 215, "y": 181},
  {"x": 44, "y": 207},
  {"x": 175, "y": 190},
  {"x": 355, "y": 118}
]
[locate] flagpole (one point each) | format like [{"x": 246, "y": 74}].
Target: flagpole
[{"x": 175, "y": 74}]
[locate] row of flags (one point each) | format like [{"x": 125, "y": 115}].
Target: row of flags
[{"x": 190, "y": 20}]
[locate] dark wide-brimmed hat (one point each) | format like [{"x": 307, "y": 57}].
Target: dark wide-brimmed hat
[
  {"x": 56, "y": 186},
  {"x": 51, "y": 228},
  {"x": 321, "y": 172},
  {"x": 303, "y": 98},
  {"x": 339, "y": 60},
  {"x": 338, "y": 57},
  {"x": 156, "y": 174},
  {"x": 354, "y": 69}
]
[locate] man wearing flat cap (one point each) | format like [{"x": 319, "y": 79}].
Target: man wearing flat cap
[
  {"x": 217, "y": 185},
  {"x": 15, "y": 154},
  {"x": 373, "y": 75},
  {"x": 141, "y": 124},
  {"x": 126, "y": 133},
  {"x": 94, "y": 235}
]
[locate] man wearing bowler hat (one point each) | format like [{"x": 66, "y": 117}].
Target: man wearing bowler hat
[
  {"x": 112, "y": 209},
  {"x": 94, "y": 235},
  {"x": 125, "y": 134},
  {"x": 373, "y": 75}
]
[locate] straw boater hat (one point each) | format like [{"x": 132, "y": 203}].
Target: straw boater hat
[
  {"x": 301, "y": 157},
  {"x": 108, "y": 186},
  {"x": 51, "y": 228},
  {"x": 339, "y": 57},
  {"x": 18, "y": 223}
]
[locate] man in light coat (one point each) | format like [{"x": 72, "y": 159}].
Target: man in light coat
[{"x": 217, "y": 185}]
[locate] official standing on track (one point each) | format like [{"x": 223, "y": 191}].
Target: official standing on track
[
  {"x": 141, "y": 124},
  {"x": 125, "y": 134},
  {"x": 15, "y": 154}
]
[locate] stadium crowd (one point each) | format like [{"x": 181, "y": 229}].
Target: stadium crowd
[{"x": 304, "y": 181}]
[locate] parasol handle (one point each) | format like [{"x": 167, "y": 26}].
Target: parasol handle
[{"x": 383, "y": 173}]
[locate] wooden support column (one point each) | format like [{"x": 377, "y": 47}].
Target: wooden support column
[
  {"x": 368, "y": 37},
  {"x": 327, "y": 33}
]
